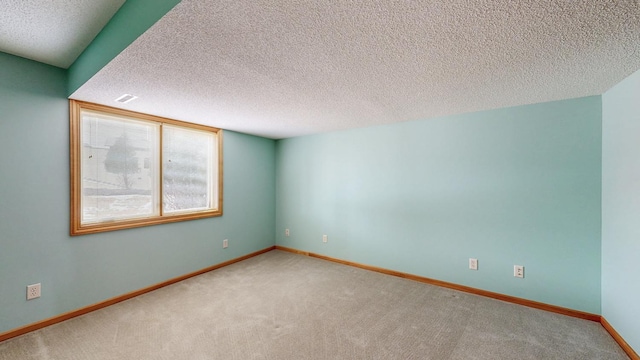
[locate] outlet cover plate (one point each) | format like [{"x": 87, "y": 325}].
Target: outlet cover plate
[
  {"x": 473, "y": 264},
  {"x": 518, "y": 271},
  {"x": 33, "y": 291}
]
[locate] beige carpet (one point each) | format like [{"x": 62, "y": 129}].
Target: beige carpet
[{"x": 284, "y": 306}]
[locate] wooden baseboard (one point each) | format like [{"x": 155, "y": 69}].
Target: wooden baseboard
[
  {"x": 512, "y": 299},
  {"x": 623, "y": 344},
  {"x": 467, "y": 289},
  {"x": 59, "y": 318}
]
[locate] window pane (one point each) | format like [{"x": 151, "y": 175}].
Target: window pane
[
  {"x": 189, "y": 170},
  {"x": 119, "y": 168}
]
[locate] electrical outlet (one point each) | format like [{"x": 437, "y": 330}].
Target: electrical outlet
[
  {"x": 225, "y": 243},
  {"x": 473, "y": 264},
  {"x": 286, "y": 232},
  {"x": 325, "y": 238},
  {"x": 518, "y": 271},
  {"x": 33, "y": 291}
]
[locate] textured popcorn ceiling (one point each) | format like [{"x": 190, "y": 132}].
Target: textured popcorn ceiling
[
  {"x": 288, "y": 68},
  {"x": 54, "y": 32}
]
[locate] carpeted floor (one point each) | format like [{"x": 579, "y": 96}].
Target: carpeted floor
[{"x": 285, "y": 306}]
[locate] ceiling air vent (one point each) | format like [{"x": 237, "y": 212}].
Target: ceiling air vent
[{"x": 126, "y": 98}]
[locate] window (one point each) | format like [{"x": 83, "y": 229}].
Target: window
[{"x": 130, "y": 169}]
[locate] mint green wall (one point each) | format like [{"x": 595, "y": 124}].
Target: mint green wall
[
  {"x": 511, "y": 186},
  {"x": 621, "y": 208},
  {"x": 130, "y": 21},
  {"x": 35, "y": 245}
]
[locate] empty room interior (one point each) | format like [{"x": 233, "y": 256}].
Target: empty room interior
[{"x": 382, "y": 179}]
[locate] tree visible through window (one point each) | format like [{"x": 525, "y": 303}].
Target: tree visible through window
[
  {"x": 131, "y": 169},
  {"x": 121, "y": 160}
]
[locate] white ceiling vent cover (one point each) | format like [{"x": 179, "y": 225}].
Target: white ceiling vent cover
[{"x": 126, "y": 98}]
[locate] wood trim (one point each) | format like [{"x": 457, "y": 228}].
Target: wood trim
[
  {"x": 552, "y": 308},
  {"x": 74, "y": 164},
  {"x": 74, "y": 313},
  {"x": 76, "y": 228},
  {"x": 140, "y": 116},
  {"x": 165, "y": 219},
  {"x": 295, "y": 251},
  {"x": 467, "y": 289},
  {"x": 220, "y": 170},
  {"x": 623, "y": 344},
  {"x": 158, "y": 201}
]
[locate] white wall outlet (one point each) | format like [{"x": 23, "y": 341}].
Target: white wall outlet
[
  {"x": 473, "y": 264},
  {"x": 225, "y": 243},
  {"x": 33, "y": 291},
  {"x": 518, "y": 271},
  {"x": 325, "y": 238},
  {"x": 286, "y": 232}
]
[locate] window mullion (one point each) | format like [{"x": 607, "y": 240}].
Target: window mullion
[{"x": 161, "y": 170}]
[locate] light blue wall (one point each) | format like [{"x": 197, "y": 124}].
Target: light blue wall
[
  {"x": 35, "y": 245},
  {"x": 621, "y": 208},
  {"x": 511, "y": 186}
]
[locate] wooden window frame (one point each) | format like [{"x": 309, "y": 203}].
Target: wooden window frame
[{"x": 75, "y": 144}]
